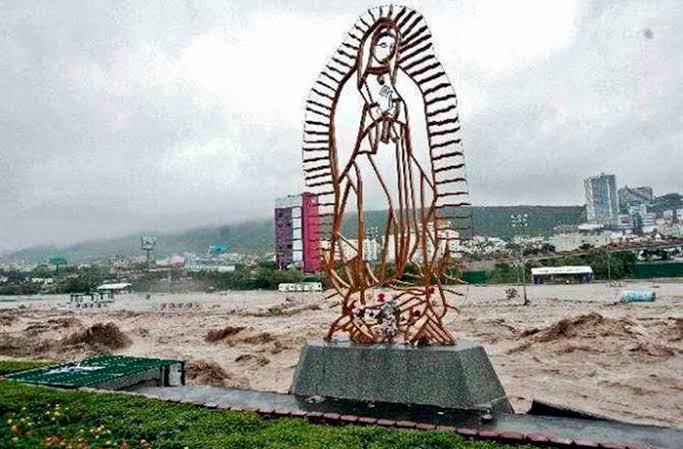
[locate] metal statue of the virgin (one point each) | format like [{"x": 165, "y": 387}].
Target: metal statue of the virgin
[{"x": 421, "y": 184}]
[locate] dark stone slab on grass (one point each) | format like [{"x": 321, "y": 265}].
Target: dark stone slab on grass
[{"x": 457, "y": 377}]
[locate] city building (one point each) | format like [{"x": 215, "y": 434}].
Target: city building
[
  {"x": 447, "y": 238},
  {"x": 349, "y": 249},
  {"x": 624, "y": 221},
  {"x": 565, "y": 228},
  {"x": 297, "y": 232},
  {"x": 485, "y": 245},
  {"x": 668, "y": 216},
  {"x": 196, "y": 264},
  {"x": 575, "y": 240},
  {"x": 371, "y": 250},
  {"x": 174, "y": 261},
  {"x": 649, "y": 219},
  {"x": 677, "y": 230},
  {"x": 634, "y": 196},
  {"x": 288, "y": 231},
  {"x": 649, "y": 222},
  {"x": 601, "y": 199},
  {"x": 310, "y": 232}
]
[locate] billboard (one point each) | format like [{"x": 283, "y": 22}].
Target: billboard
[{"x": 148, "y": 242}]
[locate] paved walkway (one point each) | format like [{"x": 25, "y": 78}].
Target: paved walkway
[{"x": 534, "y": 428}]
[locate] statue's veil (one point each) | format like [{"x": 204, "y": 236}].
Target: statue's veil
[
  {"x": 416, "y": 59},
  {"x": 364, "y": 53}
]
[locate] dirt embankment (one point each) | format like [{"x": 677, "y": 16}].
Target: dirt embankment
[
  {"x": 595, "y": 333},
  {"x": 236, "y": 335},
  {"x": 99, "y": 336},
  {"x": 97, "y": 339},
  {"x": 208, "y": 372}
]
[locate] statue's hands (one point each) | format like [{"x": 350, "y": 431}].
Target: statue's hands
[
  {"x": 386, "y": 91},
  {"x": 376, "y": 112},
  {"x": 387, "y": 94}
]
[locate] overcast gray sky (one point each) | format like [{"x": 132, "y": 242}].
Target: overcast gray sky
[{"x": 126, "y": 116}]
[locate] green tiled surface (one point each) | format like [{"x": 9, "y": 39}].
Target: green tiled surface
[{"x": 89, "y": 371}]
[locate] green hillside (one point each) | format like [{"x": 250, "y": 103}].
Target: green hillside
[
  {"x": 666, "y": 202},
  {"x": 256, "y": 237},
  {"x": 253, "y": 237},
  {"x": 495, "y": 221}
]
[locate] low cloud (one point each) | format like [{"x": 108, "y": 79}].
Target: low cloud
[{"x": 151, "y": 116}]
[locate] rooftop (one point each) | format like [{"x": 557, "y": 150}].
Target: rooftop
[{"x": 89, "y": 371}]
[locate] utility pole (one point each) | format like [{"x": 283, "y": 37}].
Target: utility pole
[{"x": 521, "y": 221}]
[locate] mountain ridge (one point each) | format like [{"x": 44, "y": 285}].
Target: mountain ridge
[{"x": 256, "y": 236}]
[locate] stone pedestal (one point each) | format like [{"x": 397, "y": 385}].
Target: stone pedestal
[{"x": 457, "y": 377}]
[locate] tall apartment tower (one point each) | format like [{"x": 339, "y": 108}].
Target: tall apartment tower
[
  {"x": 297, "y": 232},
  {"x": 601, "y": 199}
]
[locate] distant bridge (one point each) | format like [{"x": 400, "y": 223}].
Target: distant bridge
[{"x": 490, "y": 263}]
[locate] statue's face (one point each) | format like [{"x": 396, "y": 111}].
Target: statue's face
[{"x": 384, "y": 49}]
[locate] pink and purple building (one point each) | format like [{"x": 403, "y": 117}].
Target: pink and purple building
[{"x": 297, "y": 232}]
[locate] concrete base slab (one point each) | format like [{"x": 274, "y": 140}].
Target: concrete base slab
[{"x": 454, "y": 377}]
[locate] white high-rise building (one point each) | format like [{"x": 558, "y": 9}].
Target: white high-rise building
[
  {"x": 371, "y": 249},
  {"x": 601, "y": 199}
]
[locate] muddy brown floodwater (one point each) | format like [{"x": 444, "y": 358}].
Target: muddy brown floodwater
[{"x": 573, "y": 345}]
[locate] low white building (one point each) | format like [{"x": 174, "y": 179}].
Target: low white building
[
  {"x": 196, "y": 264},
  {"x": 44, "y": 281},
  {"x": 300, "y": 287},
  {"x": 116, "y": 287},
  {"x": 174, "y": 261}
]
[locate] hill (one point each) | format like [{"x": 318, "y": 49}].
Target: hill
[
  {"x": 256, "y": 236},
  {"x": 666, "y": 202}
]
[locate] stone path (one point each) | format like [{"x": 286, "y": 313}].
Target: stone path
[{"x": 555, "y": 431}]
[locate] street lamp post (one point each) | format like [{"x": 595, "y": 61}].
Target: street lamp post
[{"x": 521, "y": 222}]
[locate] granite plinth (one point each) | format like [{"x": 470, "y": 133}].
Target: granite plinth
[{"x": 456, "y": 377}]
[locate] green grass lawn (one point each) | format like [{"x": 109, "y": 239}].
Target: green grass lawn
[
  {"x": 11, "y": 366},
  {"x": 40, "y": 417}
]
